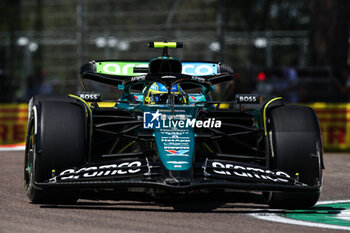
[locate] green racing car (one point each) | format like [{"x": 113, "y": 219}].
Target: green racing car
[{"x": 166, "y": 133}]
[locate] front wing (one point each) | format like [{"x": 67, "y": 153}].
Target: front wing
[{"x": 209, "y": 174}]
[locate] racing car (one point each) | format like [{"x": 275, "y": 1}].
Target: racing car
[{"x": 166, "y": 133}]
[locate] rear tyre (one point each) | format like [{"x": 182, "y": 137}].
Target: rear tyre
[
  {"x": 296, "y": 148},
  {"x": 56, "y": 139}
]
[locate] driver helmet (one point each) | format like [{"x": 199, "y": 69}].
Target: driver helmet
[{"x": 158, "y": 94}]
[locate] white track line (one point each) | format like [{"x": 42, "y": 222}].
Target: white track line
[
  {"x": 12, "y": 148},
  {"x": 276, "y": 218}
]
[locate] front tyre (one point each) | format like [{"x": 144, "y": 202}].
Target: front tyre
[
  {"x": 296, "y": 147},
  {"x": 56, "y": 139}
]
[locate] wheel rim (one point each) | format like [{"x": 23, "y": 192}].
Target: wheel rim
[{"x": 28, "y": 161}]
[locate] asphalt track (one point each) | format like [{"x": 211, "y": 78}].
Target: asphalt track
[{"x": 197, "y": 213}]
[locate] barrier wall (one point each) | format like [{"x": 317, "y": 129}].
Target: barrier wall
[
  {"x": 13, "y": 123},
  {"x": 334, "y": 121},
  {"x": 335, "y": 125}
]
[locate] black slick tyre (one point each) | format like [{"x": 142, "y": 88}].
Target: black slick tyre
[
  {"x": 296, "y": 148},
  {"x": 56, "y": 140}
]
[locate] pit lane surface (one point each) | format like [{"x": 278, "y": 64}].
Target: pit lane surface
[{"x": 198, "y": 213}]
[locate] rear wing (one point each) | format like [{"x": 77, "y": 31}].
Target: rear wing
[{"x": 115, "y": 72}]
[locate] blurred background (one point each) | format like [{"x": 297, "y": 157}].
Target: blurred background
[{"x": 294, "y": 48}]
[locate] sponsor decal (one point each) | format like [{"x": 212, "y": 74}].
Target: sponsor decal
[
  {"x": 138, "y": 98},
  {"x": 193, "y": 98},
  {"x": 156, "y": 120},
  {"x": 175, "y": 142},
  {"x": 123, "y": 168},
  {"x": 151, "y": 120},
  {"x": 127, "y": 68},
  {"x": 175, "y": 147},
  {"x": 326, "y": 214},
  {"x": 138, "y": 78},
  {"x": 199, "y": 68},
  {"x": 119, "y": 68},
  {"x": 247, "y": 98},
  {"x": 90, "y": 96},
  {"x": 197, "y": 98},
  {"x": 193, "y": 123},
  {"x": 177, "y": 152},
  {"x": 243, "y": 171},
  {"x": 198, "y": 79},
  {"x": 177, "y": 164}
]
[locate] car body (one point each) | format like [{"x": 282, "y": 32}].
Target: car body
[{"x": 185, "y": 142}]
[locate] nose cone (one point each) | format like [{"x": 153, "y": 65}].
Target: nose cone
[{"x": 175, "y": 147}]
